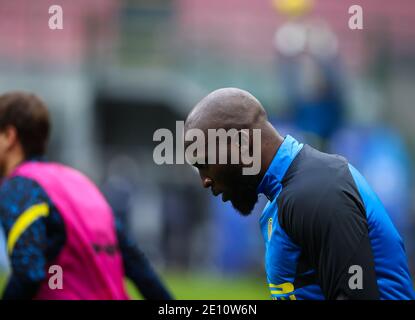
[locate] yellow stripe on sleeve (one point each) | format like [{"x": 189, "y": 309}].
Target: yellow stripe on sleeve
[
  {"x": 24, "y": 221},
  {"x": 283, "y": 289}
]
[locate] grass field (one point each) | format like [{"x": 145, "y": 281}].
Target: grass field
[
  {"x": 204, "y": 287},
  {"x": 210, "y": 287}
]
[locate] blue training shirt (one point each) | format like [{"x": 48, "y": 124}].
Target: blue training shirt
[{"x": 326, "y": 233}]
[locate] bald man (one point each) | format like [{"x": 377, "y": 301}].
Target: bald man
[{"x": 327, "y": 235}]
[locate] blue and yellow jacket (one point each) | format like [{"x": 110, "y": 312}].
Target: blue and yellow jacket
[{"x": 326, "y": 233}]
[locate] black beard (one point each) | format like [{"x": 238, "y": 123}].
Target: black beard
[
  {"x": 245, "y": 204},
  {"x": 244, "y": 194}
]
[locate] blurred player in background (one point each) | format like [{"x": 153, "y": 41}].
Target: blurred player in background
[
  {"x": 326, "y": 233},
  {"x": 309, "y": 69},
  {"x": 54, "y": 215}
]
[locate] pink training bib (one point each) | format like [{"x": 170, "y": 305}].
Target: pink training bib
[{"x": 90, "y": 259}]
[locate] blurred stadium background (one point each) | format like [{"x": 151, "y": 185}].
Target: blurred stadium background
[{"x": 119, "y": 70}]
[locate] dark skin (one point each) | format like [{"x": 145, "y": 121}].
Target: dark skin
[{"x": 232, "y": 108}]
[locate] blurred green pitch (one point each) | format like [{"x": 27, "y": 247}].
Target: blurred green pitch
[
  {"x": 202, "y": 287},
  {"x": 195, "y": 286}
]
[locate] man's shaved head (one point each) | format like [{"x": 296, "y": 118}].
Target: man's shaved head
[
  {"x": 234, "y": 109},
  {"x": 227, "y": 108}
]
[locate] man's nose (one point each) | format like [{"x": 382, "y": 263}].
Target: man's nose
[{"x": 207, "y": 182}]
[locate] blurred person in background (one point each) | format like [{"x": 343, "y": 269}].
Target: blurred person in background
[
  {"x": 54, "y": 215},
  {"x": 322, "y": 219},
  {"x": 309, "y": 68}
]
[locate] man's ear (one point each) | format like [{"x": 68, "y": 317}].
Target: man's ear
[
  {"x": 11, "y": 135},
  {"x": 240, "y": 146}
]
